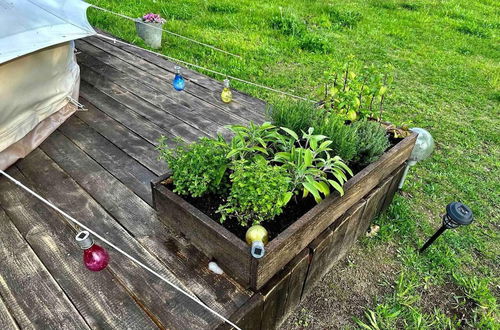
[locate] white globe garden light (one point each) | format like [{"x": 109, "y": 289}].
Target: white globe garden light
[{"x": 422, "y": 150}]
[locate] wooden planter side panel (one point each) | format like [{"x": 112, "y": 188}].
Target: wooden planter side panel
[
  {"x": 398, "y": 174},
  {"x": 282, "y": 294},
  {"x": 301, "y": 233},
  {"x": 248, "y": 316},
  {"x": 332, "y": 245},
  {"x": 209, "y": 237}
]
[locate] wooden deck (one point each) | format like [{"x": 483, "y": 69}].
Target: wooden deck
[{"x": 98, "y": 166}]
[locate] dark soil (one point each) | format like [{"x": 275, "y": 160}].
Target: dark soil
[{"x": 209, "y": 204}]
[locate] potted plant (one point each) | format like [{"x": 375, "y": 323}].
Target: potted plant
[
  {"x": 149, "y": 28},
  {"x": 296, "y": 176}
]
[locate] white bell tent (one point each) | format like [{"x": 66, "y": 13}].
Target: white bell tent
[{"x": 38, "y": 70}]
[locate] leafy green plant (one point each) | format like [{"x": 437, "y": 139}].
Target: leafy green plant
[
  {"x": 297, "y": 116},
  {"x": 344, "y": 138},
  {"x": 253, "y": 140},
  {"x": 259, "y": 191},
  {"x": 309, "y": 164},
  {"x": 357, "y": 95},
  {"x": 372, "y": 141},
  {"x": 196, "y": 168}
]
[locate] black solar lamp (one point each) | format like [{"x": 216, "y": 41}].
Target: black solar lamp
[{"x": 457, "y": 214}]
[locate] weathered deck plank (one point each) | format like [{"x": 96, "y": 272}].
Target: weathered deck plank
[
  {"x": 148, "y": 74},
  {"x": 7, "y": 322},
  {"x": 211, "y": 85},
  {"x": 98, "y": 296},
  {"x": 169, "y": 307},
  {"x": 33, "y": 296}
]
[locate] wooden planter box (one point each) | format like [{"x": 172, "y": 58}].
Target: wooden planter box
[{"x": 233, "y": 254}]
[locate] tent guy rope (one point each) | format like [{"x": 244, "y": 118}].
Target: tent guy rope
[
  {"x": 133, "y": 259},
  {"x": 115, "y": 40},
  {"x": 167, "y": 31}
]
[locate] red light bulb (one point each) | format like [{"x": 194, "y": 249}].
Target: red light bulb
[{"x": 95, "y": 257}]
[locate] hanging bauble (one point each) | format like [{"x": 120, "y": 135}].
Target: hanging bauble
[
  {"x": 95, "y": 257},
  {"x": 178, "y": 82},
  {"x": 226, "y": 95}
]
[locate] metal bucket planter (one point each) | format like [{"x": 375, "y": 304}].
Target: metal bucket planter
[{"x": 150, "y": 32}]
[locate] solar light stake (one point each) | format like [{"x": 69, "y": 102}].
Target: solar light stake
[{"x": 457, "y": 214}]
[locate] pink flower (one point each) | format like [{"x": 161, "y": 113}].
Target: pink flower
[{"x": 153, "y": 18}]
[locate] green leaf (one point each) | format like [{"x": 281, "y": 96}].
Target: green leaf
[
  {"x": 308, "y": 157},
  {"x": 323, "y": 187},
  {"x": 286, "y": 197},
  {"x": 337, "y": 187},
  {"x": 291, "y": 133},
  {"x": 312, "y": 189},
  {"x": 344, "y": 166}
]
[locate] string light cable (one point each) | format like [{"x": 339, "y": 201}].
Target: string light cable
[
  {"x": 166, "y": 31},
  {"x": 115, "y": 40},
  {"x": 118, "y": 249}
]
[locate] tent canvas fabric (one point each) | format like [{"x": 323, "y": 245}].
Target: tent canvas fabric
[{"x": 38, "y": 70}]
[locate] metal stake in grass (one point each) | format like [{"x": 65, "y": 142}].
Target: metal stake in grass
[{"x": 457, "y": 214}]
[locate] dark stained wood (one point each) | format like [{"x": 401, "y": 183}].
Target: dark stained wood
[
  {"x": 298, "y": 274},
  {"x": 352, "y": 225},
  {"x": 132, "y": 144},
  {"x": 7, "y": 322},
  {"x": 158, "y": 78},
  {"x": 204, "y": 233},
  {"x": 169, "y": 307},
  {"x": 274, "y": 297},
  {"x": 130, "y": 172},
  {"x": 278, "y": 291},
  {"x": 33, "y": 296},
  {"x": 220, "y": 292},
  {"x": 182, "y": 106},
  {"x": 296, "y": 237},
  {"x": 193, "y": 76},
  {"x": 168, "y": 113},
  {"x": 97, "y": 167},
  {"x": 210, "y": 237},
  {"x": 373, "y": 204},
  {"x": 391, "y": 192},
  {"x": 98, "y": 296},
  {"x": 144, "y": 120},
  {"x": 249, "y": 316}
]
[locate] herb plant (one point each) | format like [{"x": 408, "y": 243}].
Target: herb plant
[
  {"x": 312, "y": 168},
  {"x": 259, "y": 191},
  {"x": 253, "y": 140},
  {"x": 297, "y": 116},
  {"x": 344, "y": 138},
  {"x": 357, "y": 95},
  {"x": 372, "y": 141},
  {"x": 197, "y": 168}
]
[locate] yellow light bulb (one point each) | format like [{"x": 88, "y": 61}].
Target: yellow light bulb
[
  {"x": 256, "y": 233},
  {"x": 226, "y": 96},
  {"x": 257, "y": 237}
]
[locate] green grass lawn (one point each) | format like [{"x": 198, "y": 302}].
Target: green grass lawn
[{"x": 446, "y": 56}]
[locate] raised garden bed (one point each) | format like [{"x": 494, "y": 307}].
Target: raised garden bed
[{"x": 366, "y": 192}]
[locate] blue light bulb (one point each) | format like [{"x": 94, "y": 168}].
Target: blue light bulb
[{"x": 178, "y": 82}]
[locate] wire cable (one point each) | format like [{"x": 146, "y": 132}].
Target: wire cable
[
  {"x": 115, "y": 40},
  {"x": 152, "y": 271},
  {"x": 167, "y": 31}
]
